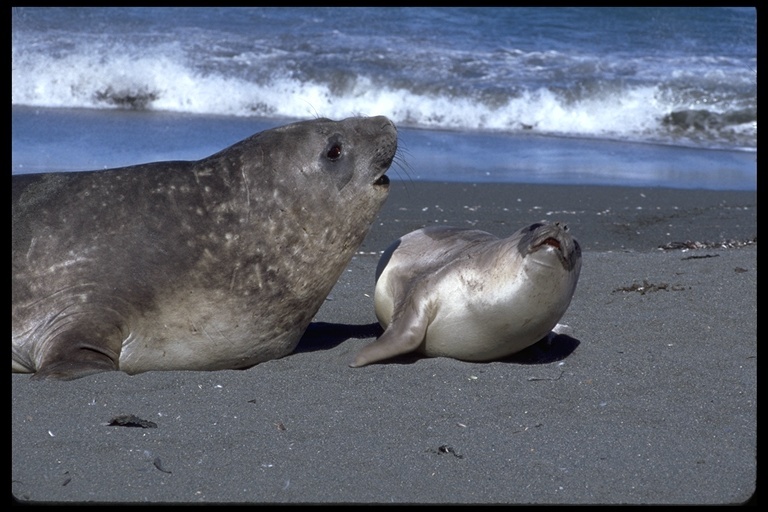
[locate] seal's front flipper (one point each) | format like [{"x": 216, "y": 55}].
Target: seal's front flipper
[
  {"x": 405, "y": 334},
  {"x": 71, "y": 370},
  {"x": 71, "y": 357}
]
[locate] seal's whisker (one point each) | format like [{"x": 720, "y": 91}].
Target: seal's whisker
[{"x": 402, "y": 164}]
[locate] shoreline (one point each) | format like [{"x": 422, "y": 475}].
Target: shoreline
[{"x": 78, "y": 139}]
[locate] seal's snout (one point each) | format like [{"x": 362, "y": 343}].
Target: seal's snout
[
  {"x": 542, "y": 238},
  {"x": 386, "y": 132}
]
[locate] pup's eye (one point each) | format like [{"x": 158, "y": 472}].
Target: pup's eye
[{"x": 335, "y": 152}]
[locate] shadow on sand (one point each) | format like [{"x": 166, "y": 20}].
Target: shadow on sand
[{"x": 326, "y": 335}]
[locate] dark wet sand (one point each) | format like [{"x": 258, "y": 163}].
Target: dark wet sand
[{"x": 651, "y": 400}]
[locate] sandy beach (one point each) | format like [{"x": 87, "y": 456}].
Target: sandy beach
[{"x": 651, "y": 400}]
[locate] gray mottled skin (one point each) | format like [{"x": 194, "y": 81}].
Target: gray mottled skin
[
  {"x": 470, "y": 295},
  {"x": 213, "y": 264}
]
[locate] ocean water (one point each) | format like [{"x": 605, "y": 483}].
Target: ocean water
[{"x": 664, "y": 77}]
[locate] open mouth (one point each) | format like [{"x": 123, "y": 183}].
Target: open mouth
[
  {"x": 383, "y": 180},
  {"x": 553, "y": 242}
]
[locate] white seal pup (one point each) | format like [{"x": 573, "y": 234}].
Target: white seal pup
[
  {"x": 470, "y": 295},
  {"x": 213, "y": 264}
]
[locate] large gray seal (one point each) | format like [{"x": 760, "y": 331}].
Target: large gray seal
[
  {"x": 470, "y": 295},
  {"x": 213, "y": 264}
]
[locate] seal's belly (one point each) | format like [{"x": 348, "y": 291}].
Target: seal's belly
[
  {"x": 203, "y": 336},
  {"x": 484, "y": 337},
  {"x": 209, "y": 348},
  {"x": 499, "y": 321}
]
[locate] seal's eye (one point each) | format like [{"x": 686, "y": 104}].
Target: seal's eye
[{"x": 334, "y": 153}]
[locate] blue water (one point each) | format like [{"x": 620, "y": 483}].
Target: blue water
[{"x": 673, "y": 77}]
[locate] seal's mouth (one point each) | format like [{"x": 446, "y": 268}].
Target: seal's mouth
[
  {"x": 553, "y": 242},
  {"x": 382, "y": 181}
]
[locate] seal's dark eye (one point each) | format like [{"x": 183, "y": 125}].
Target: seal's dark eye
[{"x": 335, "y": 152}]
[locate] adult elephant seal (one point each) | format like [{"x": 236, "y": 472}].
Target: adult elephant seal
[
  {"x": 469, "y": 295},
  {"x": 213, "y": 264}
]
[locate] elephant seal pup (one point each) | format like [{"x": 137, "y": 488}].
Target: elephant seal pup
[
  {"x": 213, "y": 264},
  {"x": 470, "y": 295}
]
